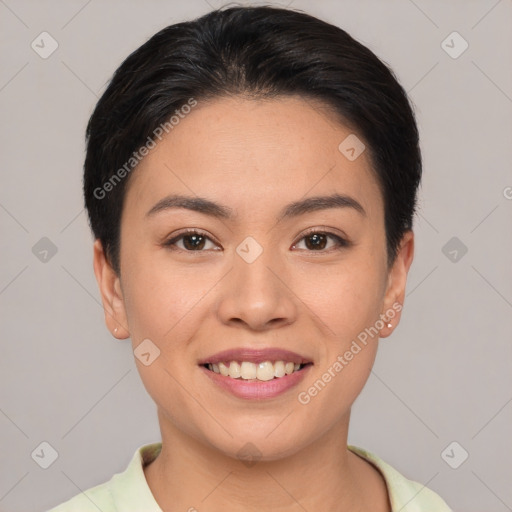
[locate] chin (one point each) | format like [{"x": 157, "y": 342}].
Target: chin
[{"x": 250, "y": 446}]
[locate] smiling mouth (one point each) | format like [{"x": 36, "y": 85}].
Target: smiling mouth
[{"x": 249, "y": 371}]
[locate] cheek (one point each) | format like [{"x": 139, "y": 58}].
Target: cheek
[
  {"x": 349, "y": 306},
  {"x": 348, "y": 303},
  {"x": 336, "y": 386},
  {"x": 164, "y": 301},
  {"x": 160, "y": 299},
  {"x": 164, "y": 305},
  {"x": 347, "y": 297}
]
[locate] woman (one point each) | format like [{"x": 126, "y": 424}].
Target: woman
[{"x": 251, "y": 181}]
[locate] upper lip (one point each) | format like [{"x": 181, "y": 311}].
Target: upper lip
[{"x": 255, "y": 356}]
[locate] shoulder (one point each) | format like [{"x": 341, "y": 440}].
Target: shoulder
[
  {"x": 127, "y": 491},
  {"x": 98, "y": 497},
  {"x": 405, "y": 495}
]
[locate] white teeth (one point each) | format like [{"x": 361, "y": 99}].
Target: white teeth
[
  {"x": 224, "y": 370},
  {"x": 248, "y": 370},
  {"x": 264, "y": 371},
  {"x": 234, "y": 370},
  {"x": 279, "y": 370}
]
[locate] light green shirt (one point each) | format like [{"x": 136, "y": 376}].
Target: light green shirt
[{"x": 129, "y": 492}]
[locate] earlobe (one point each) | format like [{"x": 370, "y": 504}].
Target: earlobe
[
  {"x": 111, "y": 293},
  {"x": 397, "y": 281}
]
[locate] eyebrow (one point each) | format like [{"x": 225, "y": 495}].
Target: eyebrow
[{"x": 207, "y": 207}]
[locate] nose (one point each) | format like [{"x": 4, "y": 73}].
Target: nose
[{"x": 258, "y": 295}]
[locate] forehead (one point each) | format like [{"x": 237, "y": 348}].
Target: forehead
[{"x": 255, "y": 153}]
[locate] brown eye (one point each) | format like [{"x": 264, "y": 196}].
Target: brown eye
[
  {"x": 317, "y": 241},
  {"x": 192, "y": 241}
]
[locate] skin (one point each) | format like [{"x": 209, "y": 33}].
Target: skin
[{"x": 254, "y": 156}]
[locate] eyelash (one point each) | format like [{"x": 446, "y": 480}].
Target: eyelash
[{"x": 342, "y": 243}]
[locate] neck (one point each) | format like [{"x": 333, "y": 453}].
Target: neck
[{"x": 190, "y": 475}]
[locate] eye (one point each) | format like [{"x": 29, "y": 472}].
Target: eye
[
  {"x": 193, "y": 241},
  {"x": 316, "y": 241}
]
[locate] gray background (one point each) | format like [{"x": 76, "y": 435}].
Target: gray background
[{"x": 444, "y": 375}]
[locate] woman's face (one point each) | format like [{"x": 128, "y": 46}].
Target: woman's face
[{"x": 263, "y": 278}]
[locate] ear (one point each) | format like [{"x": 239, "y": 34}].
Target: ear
[
  {"x": 397, "y": 280},
  {"x": 111, "y": 294}
]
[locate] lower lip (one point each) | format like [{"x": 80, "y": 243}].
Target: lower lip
[{"x": 257, "y": 390}]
